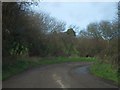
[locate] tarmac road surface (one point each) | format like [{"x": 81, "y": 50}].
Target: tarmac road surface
[{"x": 65, "y": 75}]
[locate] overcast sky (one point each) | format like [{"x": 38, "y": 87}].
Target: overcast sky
[{"x": 79, "y": 13}]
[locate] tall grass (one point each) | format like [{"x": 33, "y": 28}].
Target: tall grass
[{"x": 105, "y": 71}]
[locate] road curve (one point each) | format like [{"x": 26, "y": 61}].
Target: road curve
[{"x": 65, "y": 75}]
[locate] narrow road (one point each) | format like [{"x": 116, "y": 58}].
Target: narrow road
[{"x": 66, "y": 75}]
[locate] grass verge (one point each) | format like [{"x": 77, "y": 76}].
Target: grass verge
[
  {"x": 105, "y": 71},
  {"x": 21, "y": 65}
]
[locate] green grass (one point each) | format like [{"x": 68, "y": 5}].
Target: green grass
[
  {"x": 105, "y": 71},
  {"x": 65, "y": 59},
  {"x": 23, "y": 64}
]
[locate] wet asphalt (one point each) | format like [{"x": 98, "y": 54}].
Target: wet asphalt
[{"x": 65, "y": 75}]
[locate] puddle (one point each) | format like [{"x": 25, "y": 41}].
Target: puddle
[{"x": 81, "y": 70}]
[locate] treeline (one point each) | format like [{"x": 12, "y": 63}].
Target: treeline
[
  {"x": 27, "y": 34},
  {"x": 101, "y": 40}
]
